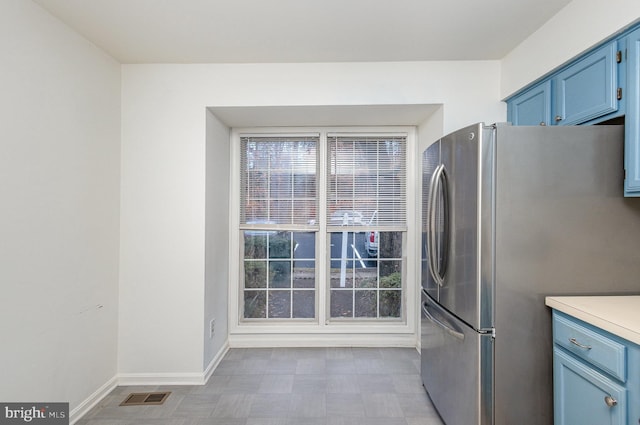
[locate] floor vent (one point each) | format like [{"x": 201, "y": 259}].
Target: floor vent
[{"x": 145, "y": 399}]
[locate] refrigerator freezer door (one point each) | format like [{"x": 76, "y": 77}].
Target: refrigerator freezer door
[
  {"x": 460, "y": 292},
  {"x": 457, "y": 367}
]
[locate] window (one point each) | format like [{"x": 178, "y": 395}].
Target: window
[
  {"x": 354, "y": 206},
  {"x": 366, "y": 205},
  {"x": 278, "y": 199}
]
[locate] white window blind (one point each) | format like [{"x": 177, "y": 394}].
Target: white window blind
[
  {"x": 367, "y": 181},
  {"x": 278, "y": 181}
]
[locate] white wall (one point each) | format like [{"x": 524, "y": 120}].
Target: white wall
[
  {"x": 216, "y": 297},
  {"x": 164, "y": 147},
  {"x": 579, "y": 26},
  {"x": 162, "y": 228},
  {"x": 59, "y": 167}
]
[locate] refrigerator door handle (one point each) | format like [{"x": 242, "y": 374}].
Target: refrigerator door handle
[
  {"x": 444, "y": 187},
  {"x": 449, "y": 330},
  {"x": 431, "y": 220},
  {"x": 438, "y": 259}
]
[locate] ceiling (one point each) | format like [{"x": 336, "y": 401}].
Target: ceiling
[{"x": 268, "y": 31}]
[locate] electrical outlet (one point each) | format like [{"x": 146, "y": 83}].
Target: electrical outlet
[{"x": 212, "y": 328}]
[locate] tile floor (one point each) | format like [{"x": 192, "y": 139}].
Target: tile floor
[{"x": 289, "y": 386}]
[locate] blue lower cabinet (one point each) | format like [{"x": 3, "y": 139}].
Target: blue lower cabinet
[
  {"x": 596, "y": 375},
  {"x": 582, "y": 395}
]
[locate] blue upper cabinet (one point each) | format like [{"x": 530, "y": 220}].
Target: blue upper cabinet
[
  {"x": 587, "y": 89},
  {"x": 533, "y": 107},
  {"x": 598, "y": 86},
  {"x": 632, "y": 120}
]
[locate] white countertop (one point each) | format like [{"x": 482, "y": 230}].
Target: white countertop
[{"x": 619, "y": 315}]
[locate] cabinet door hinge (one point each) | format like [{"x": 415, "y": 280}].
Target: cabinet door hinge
[
  {"x": 619, "y": 93},
  {"x": 619, "y": 56}
]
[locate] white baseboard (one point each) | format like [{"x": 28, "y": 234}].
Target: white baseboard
[
  {"x": 147, "y": 379},
  {"x": 155, "y": 379},
  {"x": 213, "y": 364},
  {"x": 174, "y": 378},
  {"x": 79, "y": 411}
]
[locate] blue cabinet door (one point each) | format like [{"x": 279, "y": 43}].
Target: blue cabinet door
[
  {"x": 583, "y": 395},
  {"x": 632, "y": 120},
  {"x": 532, "y": 107},
  {"x": 588, "y": 88}
]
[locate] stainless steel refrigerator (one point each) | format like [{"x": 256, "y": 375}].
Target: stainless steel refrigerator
[{"x": 511, "y": 215}]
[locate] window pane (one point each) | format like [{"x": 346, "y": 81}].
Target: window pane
[
  {"x": 341, "y": 303},
  {"x": 338, "y": 249},
  {"x": 278, "y": 179},
  {"x": 340, "y": 280},
  {"x": 304, "y": 274},
  {"x": 343, "y": 244},
  {"x": 281, "y": 185},
  {"x": 371, "y": 243},
  {"x": 366, "y": 278},
  {"x": 304, "y": 270},
  {"x": 257, "y": 211},
  {"x": 280, "y": 304},
  {"x": 368, "y": 175},
  {"x": 390, "y": 303},
  {"x": 302, "y": 210},
  {"x": 281, "y": 211},
  {"x": 279, "y": 274},
  {"x": 255, "y": 244},
  {"x": 391, "y": 274},
  {"x": 366, "y": 303},
  {"x": 280, "y": 245},
  {"x": 304, "y": 245},
  {"x": 255, "y": 274},
  {"x": 355, "y": 269},
  {"x": 304, "y": 304},
  {"x": 390, "y": 244},
  {"x": 390, "y": 211},
  {"x": 255, "y": 304},
  {"x": 304, "y": 186}
]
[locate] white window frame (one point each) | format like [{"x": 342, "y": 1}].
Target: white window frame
[{"x": 323, "y": 330}]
